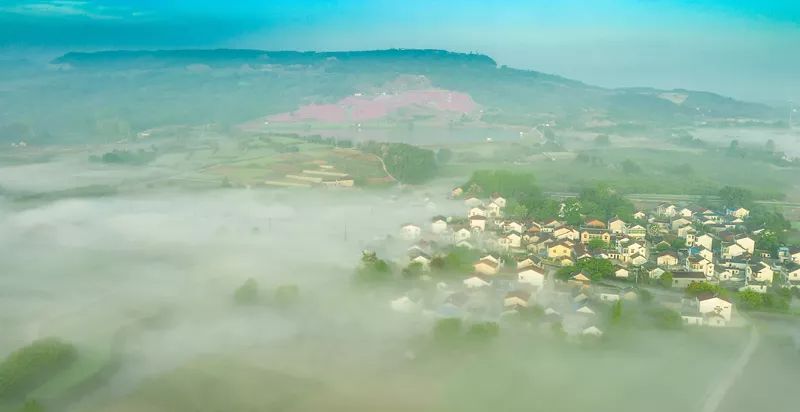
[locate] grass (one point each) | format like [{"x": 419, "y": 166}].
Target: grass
[{"x": 87, "y": 369}]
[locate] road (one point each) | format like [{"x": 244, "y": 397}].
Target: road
[{"x": 718, "y": 392}]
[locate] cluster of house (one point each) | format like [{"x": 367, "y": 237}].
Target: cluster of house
[{"x": 690, "y": 243}]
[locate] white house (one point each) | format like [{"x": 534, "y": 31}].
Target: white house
[
  {"x": 461, "y": 235},
  {"x": 493, "y": 210},
  {"x": 514, "y": 227},
  {"x": 747, "y": 243},
  {"x": 499, "y": 201},
  {"x": 732, "y": 250},
  {"x": 473, "y": 201},
  {"x": 621, "y": 273},
  {"x": 410, "y": 231},
  {"x": 705, "y": 240},
  {"x": 476, "y": 282},
  {"x": 761, "y": 272},
  {"x": 616, "y": 226},
  {"x": 478, "y": 222},
  {"x": 476, "y": 211},
  {"x": 404, "y": 305},
  {"x": 439, "y": 225},
  {"x": 715, "y": 305},
  {"x": 531, "y": 275},
  {"x": 592, "y": 331}
]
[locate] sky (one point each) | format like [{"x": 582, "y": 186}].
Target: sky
[{"x": 746, "y": 48}]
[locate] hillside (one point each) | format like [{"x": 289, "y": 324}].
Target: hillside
[{"x": 116, "y": 93}]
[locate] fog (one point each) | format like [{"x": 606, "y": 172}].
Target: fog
[
  {"x": 197, "y": 214},
  {"x": 151, "y": 276}
]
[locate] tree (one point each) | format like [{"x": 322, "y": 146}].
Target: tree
[
  {"x": 31, "y": 406},
  {"x": 286, "y": 295},
  {"x": 597, "y": 244},
  {"x": 444, "y": 155},
  {"x": 483, "y": 331},
  {"x": 733, "y": 148},
  {"x": 664, "y": 318},
  {"x": 770, "y": 146},
  {"x": 373, "y": 269},
  {"x": 616, "y": 312},
  {"x": 413, "y": 271},
  {"x": 27, "y": 367},
  {"x": 735, "y": 197},
  {"x": 665, "y": 281},
  {"x": 602, "y": 140},
  {"x": 750, "y": 300},
  {"x": 595, "y": 268},
  {"x": 630, "y": 167},
  {"x": 696, "y": 289},
  {"x": 447, "y": 330},
  {"x": 247, "y": 293},
  {"x": 645, "y": 296}
]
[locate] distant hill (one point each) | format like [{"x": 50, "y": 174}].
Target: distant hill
[{"x": 112, "y": 92}]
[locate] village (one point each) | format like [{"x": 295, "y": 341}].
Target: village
[{"x": 687, "y": 261}]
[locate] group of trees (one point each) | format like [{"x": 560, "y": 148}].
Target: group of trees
[
  {"x": 407, "y": 163},
  {"x": 452, "y": 331},
  {"x": 373, "y": 269},
  {"x": 126, "y": 157},
  {"x": 31, "y": 365},
  {"x": 249, "y": 294},
  {"x": 595, "y": 268}
]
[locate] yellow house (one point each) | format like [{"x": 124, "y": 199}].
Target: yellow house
[
  {"x": 559, "y": 250},
  {"x": 589, "y": 234}
]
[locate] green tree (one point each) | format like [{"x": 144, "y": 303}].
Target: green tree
[
  {"x": 665, "y": 281},
  {"x": 696, "y": 289},
  {"x": 630, "y": 167},
  {"x": 286, "y": 295},
  {"x": 31, "y": 406},
  {"x": 447, "y": 330},
  {"x": 602, "y": 140},
  {"x": 664, "y": 318},
  {"x": 616, "y": 312},
  {"x": 483, "y": 332},
  {"x": 28, "y": 367},
  {"x": 413, "y": 271},
  {"x": 373, "y": 269},
  {"x": 444, "y": 155},
  {"x": 750, "y": 300},
  {"x": 645, "y": 296},
  {"x": 734, "y": 197},
  {"x": 247, "y": 293},
  {"x": 597, "y": 244}
]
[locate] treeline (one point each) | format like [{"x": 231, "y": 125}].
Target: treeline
[
  {"x": 528, "y": 201},
  {"x": 28, "y": 367},
  {"x": 126, "y": 157}
]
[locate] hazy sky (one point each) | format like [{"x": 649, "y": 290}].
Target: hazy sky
[{"x": 746, "y": 48}]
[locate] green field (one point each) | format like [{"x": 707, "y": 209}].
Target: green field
[{"x": 660, "y": 171}]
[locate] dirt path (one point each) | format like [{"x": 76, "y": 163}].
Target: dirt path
[
  {"x": 717, "y": 394},
  {"x": 380, "y": 159}
]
